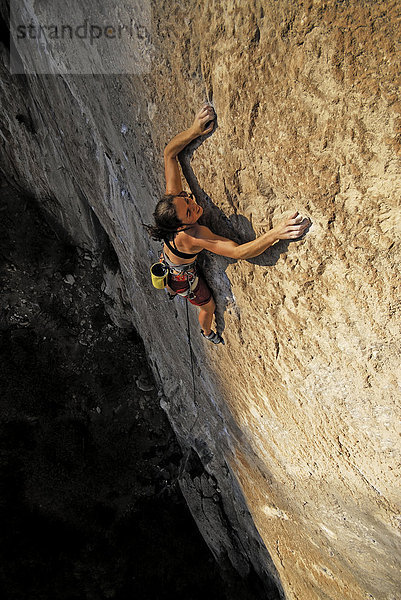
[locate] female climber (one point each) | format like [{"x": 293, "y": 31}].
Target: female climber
[{"x": 176, "y": 223}]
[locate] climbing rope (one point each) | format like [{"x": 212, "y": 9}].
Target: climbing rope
[
  {"x": 191, "y": 353},
  {"x": 185, "y": 457}
]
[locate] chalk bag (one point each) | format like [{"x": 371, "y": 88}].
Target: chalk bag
[{"x": 159, "y": 272}]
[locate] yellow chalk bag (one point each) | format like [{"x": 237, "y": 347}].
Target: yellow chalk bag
[{"x": 159, "y": 273}]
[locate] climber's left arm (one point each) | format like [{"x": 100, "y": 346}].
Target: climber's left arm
[{"x": 178, "y": 143}]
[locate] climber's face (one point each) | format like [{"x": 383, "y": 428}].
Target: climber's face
[{"x": 187, "y": 209}]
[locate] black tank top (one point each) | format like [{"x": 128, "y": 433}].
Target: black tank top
[{"x": 177, "y": 252}]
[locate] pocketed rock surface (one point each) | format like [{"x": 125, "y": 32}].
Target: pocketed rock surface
[{"x": 297, "y": 417}]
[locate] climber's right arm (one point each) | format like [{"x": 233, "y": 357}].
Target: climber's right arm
[
  {"x": 291, "y": 228},
  {"x": 178, "y": 143}
]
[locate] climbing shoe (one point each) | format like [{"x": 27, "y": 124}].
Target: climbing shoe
[{"x": 213, "y": 337}]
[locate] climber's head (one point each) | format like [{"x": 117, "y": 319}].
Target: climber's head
[
  {"x": 187, "y": 209},
  {"x": 174, "y": 212}
]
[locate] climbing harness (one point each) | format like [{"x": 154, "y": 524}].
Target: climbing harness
[{"x": 185, "y": 273}]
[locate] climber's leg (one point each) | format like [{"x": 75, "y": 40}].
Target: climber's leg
[
  {"x": 206, "y": 313},
  {"x": 202, "y": 297}
]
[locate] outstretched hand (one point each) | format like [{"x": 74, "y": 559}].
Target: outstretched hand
[
  {"x": 293, "y": 227},
  {"x": 205, "y": 115}
]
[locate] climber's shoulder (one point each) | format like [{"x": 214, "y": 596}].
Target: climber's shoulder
[
  {"x": 207, "y": 240},
  {"x": 201, "y": 232}
]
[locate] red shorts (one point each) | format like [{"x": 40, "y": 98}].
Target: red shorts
[{"x": 200, "y": 296}]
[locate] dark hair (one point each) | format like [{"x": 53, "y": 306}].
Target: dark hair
[{"x": 166, "y": 220}]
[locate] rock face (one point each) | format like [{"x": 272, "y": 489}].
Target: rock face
[
  {"x": 296, "y": 418},
  {"x": 88, "y": 462}
]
